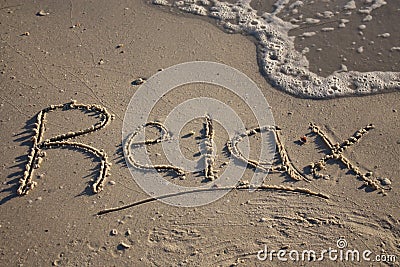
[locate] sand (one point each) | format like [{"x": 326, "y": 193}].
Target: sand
[{"x": 92, "y": 52}]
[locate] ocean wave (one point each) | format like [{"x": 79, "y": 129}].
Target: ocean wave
[{"x": 282, "y": 65}]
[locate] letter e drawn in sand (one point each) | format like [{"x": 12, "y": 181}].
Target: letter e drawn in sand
[{"x": 37, "y": 152}]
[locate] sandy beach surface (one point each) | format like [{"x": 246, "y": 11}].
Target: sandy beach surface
[{"x": 93, "y": 51}]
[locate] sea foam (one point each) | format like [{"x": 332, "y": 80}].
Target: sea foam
[{"x": 282, "y": 65}]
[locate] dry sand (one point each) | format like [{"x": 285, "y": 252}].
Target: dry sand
[{"x": 56, "y": 223}]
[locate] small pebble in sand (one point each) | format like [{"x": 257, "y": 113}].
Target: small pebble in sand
[
  {"x": 244, "y": 183},
  {"x": 120, "y": 46},
  {"x": 26, "y": 34},
  {"x": 362, "y": 27},
  {"x": 75, "y": 25},
  {"x": 350, "y": 5},
  {"x": 263, "y": 219},
  {"x": 367, "y": 18},
  {"x": 386, "y": 181},
  {"x": 305, "y": 50},
  {"x": 308, "y": 34},
  {"x": 112, "y": 182},
  {"x": 312, "y": 21},
  {"x": 384, "y": 35},
  {"x": 42, "y": 13},
  {"x": 124, "y": 245},
  {"x": 114, "y": 232},
  {"x": 139, "y": 81},
  {"x": 326, "y": 177},
  {"x": 343, "y": 22},
  {"x": 360, "y": 49},
  {"x": 327, "y": 29}
]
